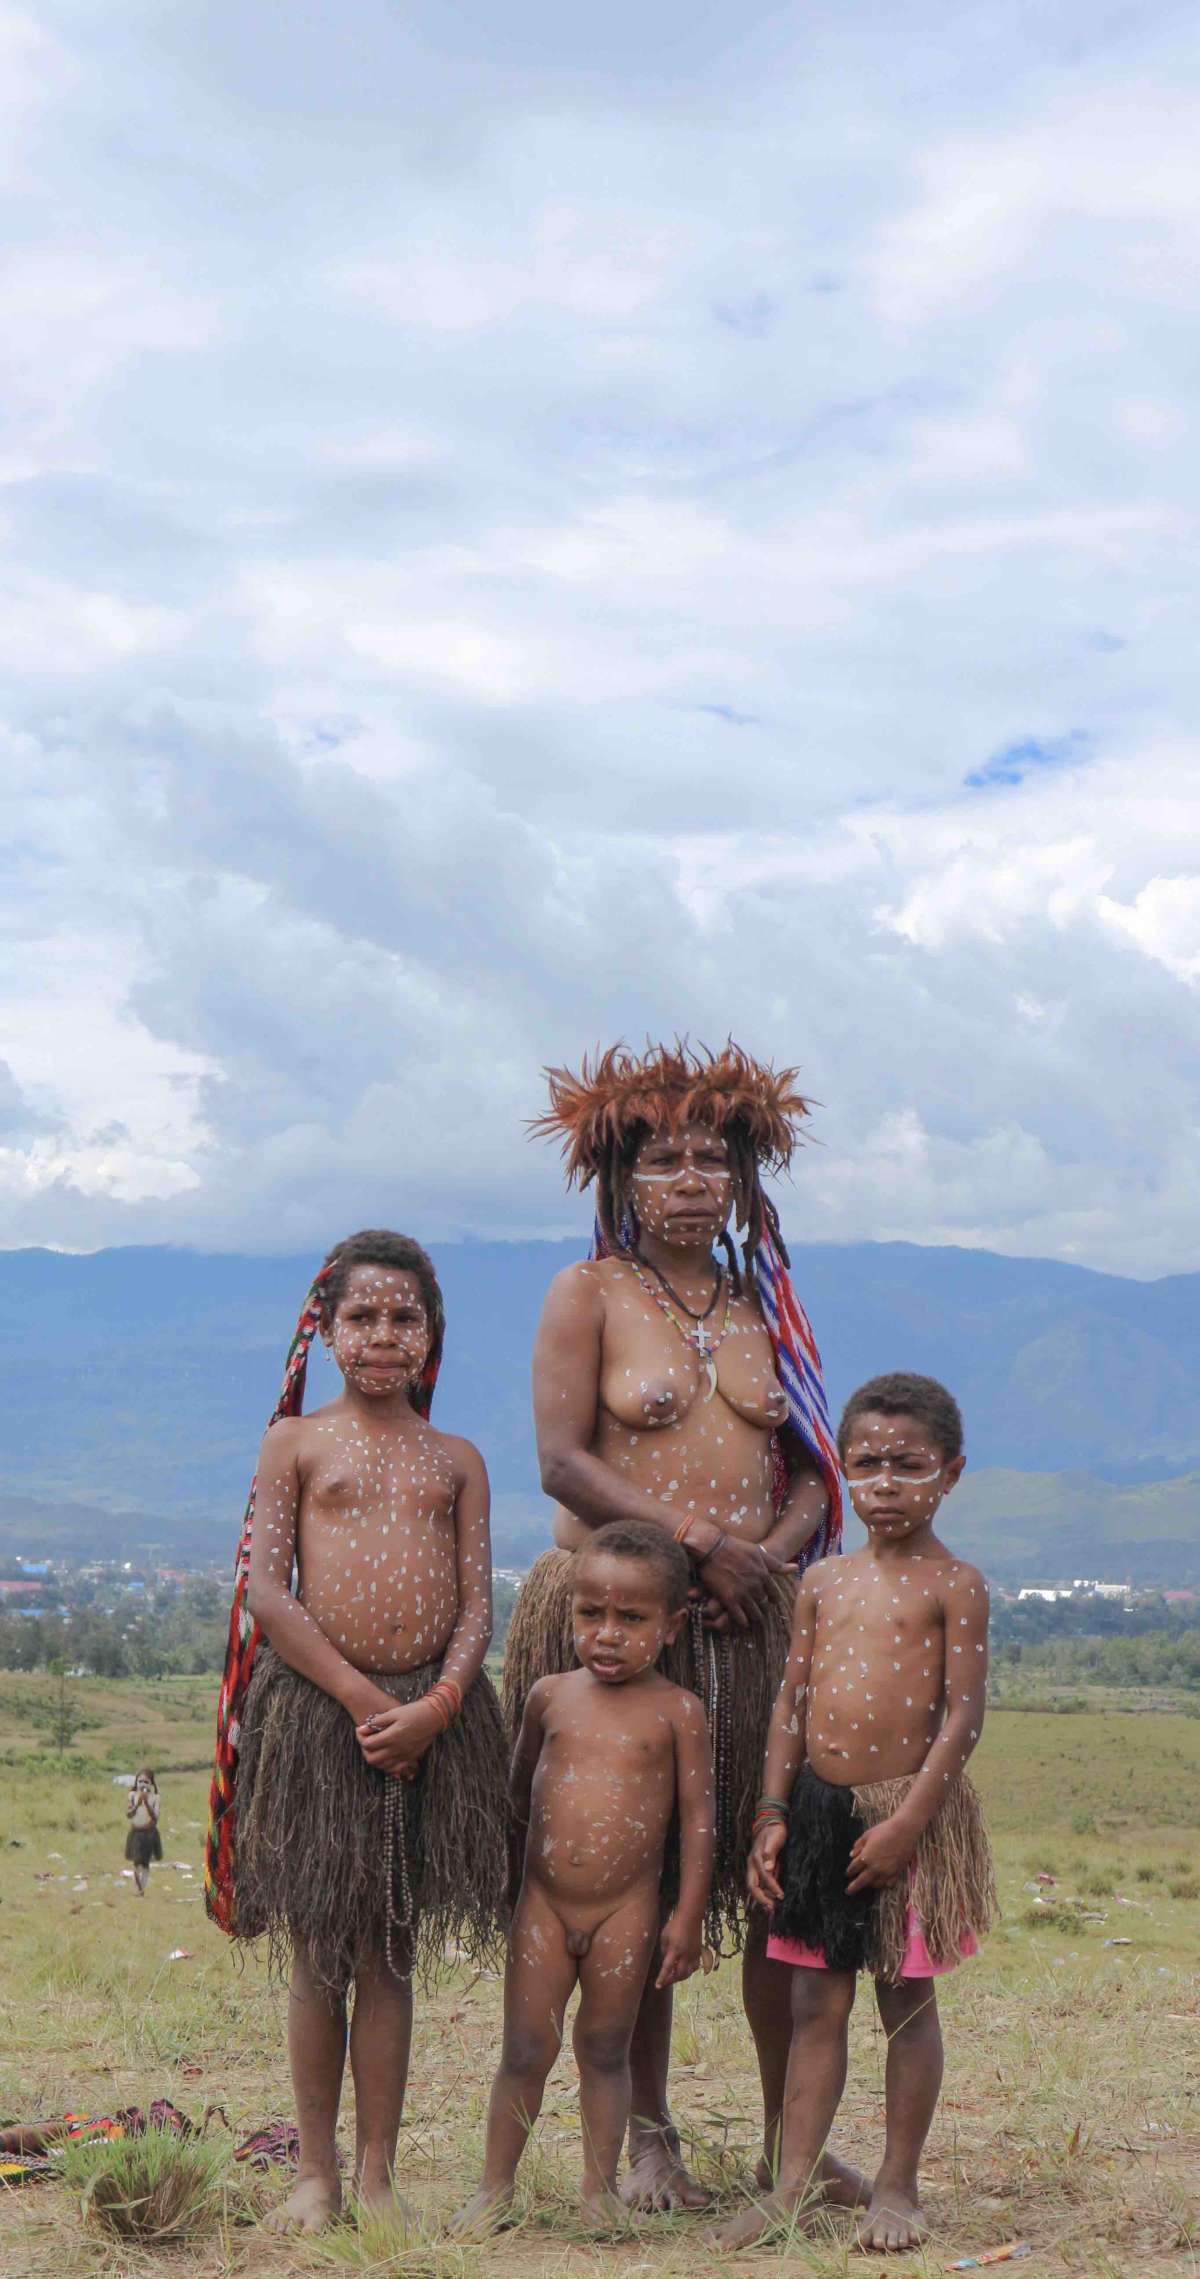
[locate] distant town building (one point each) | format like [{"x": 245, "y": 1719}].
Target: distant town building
[{"x": 1080, "y": 1588}]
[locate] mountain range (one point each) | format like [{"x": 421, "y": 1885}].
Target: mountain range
[{"x": 136, "y": 1384}]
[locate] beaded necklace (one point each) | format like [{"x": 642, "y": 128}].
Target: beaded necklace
[{"x": 695, "y": 1333}]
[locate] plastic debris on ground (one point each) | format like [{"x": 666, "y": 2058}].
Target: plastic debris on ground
[
  {"x": 1013, "y": 2253},
  {"x": 23, "y": 2168}
]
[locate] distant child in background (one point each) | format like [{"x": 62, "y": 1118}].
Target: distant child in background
[
  {"x": 143, "y": 1842},
  {"x": 870, "y": 1847},
  {"x": 605, "y": 1754},
  {"x": 365, "y": 1831}
]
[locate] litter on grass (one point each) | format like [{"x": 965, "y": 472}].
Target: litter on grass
[{"x": 1013, "y": 2253}]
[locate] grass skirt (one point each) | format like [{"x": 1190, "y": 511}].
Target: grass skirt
[
  {"x": 312, "y": 1859},
  {"x": 952, "y": 1883},
  {"x": 737, "y": 1678},
  {"x": 143, "y": 1846}
]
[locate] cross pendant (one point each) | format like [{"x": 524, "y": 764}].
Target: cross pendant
[{"x": 702, "y": 1340}]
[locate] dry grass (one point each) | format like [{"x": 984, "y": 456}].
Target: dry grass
[
  {"x": 1069, "y": 2116},
  {"x": 156, "y": 2190}
]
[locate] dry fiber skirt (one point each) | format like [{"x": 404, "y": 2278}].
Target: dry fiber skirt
[
  {"x": 337, "y": 1858},
  {"x": 951, "y": 1884},
  {"x": 737, "y": 1678}
]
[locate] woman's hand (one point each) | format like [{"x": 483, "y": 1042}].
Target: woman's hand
[
  {"x": 681, "y": 1942},
  {"x": 762, "y": 1879},
  {"x": 395, "y": 1739},
  {"x": 739, "y": 1576},
  {"x": 881, "y": 1855}
]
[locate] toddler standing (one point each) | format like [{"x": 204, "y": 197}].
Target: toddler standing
[{"x": 605, "y": 1756}]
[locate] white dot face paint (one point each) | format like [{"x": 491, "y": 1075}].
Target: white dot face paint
[
  {"x": 390, "y": 1550},
  {"x": 903, "y": 1620},
  {"x": 696, "y": 1446}
]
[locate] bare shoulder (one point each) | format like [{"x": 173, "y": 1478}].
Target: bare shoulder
[
  {"x": 554, "y": 1692},
  {"x": 581, "y": 1285},
  {"x": 284, "y": 1440},
  {"x": 686, "y": 1709},
  {"x": 541, "y": 1694},
  {"x": 464, "y": 1455},
  {"x": 295, "y": 1435},
  {"x": 959, "y": 1579},
  {"x": 824, "y": 1573}
]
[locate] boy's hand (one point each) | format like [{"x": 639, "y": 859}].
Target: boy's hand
[
  {"x": 680, "y": 1943},
  {"x": 881, "y": 1855},
  {"x": 395, "y": 1739},
  {"x": 762, "y": 1882}
]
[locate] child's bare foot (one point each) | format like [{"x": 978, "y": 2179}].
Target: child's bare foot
[
  {"x": 657, "y": 2181},
  {"x": 604, "y": 2208},
  {"x": 758, "y": 2220},
  {"x": 312, "y": 2203},
  {"x": 893, "y": 2222},
  {"x": 385, "y": 2204},
  {"x": 487, "y": 2211},
  {"x": 839, "y": 2185},
  {"x": 376, "y": 2196}
]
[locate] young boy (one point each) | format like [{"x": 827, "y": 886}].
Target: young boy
[
  {"x": 887, "y": 1866},
  {"x": 369, "y": 1797},
  {"x": 605, "y": 1754}
]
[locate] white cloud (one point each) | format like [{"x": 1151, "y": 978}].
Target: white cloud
[
  {"x": 1164, "y": 920},
  {"x": 507, "y": 546}
]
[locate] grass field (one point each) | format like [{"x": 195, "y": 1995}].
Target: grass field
[{"x": 1070, "y": 2115}]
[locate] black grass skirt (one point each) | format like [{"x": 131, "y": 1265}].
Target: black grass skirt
[
  {"x": 951, "y": 1883},
  {"x": 143, "y": 1846}
]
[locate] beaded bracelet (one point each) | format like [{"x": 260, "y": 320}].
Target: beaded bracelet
[{"x": 781, "y": 1803}]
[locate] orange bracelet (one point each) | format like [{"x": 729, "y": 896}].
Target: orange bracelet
[{"x": 446, "y": 1698}]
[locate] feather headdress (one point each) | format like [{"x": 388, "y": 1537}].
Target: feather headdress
[{"x": 619, "y": 1093}]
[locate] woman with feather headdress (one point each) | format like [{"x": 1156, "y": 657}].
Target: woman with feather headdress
[{"x": 677, "y": 1383}]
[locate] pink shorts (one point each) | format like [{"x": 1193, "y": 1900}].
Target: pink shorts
[{"x": 918, "y": 1962}]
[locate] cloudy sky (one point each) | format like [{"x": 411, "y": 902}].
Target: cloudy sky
[{"x": 524, "y": 525}]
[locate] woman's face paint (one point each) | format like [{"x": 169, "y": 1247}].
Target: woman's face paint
[{"x": 682, "y": 1185}]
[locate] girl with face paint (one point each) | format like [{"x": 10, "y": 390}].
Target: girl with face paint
[
  {"x": 657, "y": 1399},
  {"x": 370, "y": 1783},
  {"x": 143, "y": 1843}
]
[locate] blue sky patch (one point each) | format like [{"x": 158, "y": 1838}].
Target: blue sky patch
[{"x": 1015, "y": 761}]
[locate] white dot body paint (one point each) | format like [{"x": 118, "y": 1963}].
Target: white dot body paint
[
  {"x": 381, "y": 1519},
  {"x": 902, "y": 1614}
]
